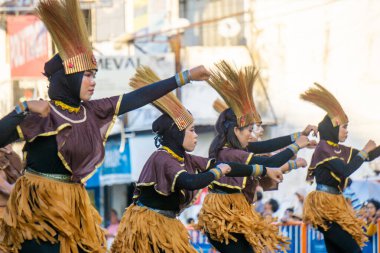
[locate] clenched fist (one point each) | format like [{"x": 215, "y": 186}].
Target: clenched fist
[{"x": 199, "y": 73}]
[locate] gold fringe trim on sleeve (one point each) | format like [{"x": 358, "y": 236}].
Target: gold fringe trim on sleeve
[
  {"x": 44, "y": 209},
  {"x": 224, "y": 214},
  {"x": 320, "y": 208},
  {"x": 143, "y": 230}
]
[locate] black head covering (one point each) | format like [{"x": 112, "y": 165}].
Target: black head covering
[
  {"x": 226, "y": 120},
  {"x": 168, "y": 134},
  {"x": 62, "y": 87},
  {"x": 327, "y": 131}
]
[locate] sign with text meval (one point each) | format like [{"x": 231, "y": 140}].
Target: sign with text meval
[
  {"x": 28, "y": 43},
  {"x": 115, "y": 71}
]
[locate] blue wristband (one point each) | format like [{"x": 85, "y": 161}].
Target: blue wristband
[
  {"x": 182, "y": 78},
  {"x": 294, "y": 148},
  {"x": 21, "y": 108},
  {"x": 295, "y": 136},
  {"x": 25, "y": 104},
  {"x": 257, "y": 170},
  {"x": 292, "y": 165},
  {"x": 363, "y": 155},
  {"x": 18, "y": 109}
]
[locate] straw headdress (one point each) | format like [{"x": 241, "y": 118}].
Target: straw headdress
[
  {"x": 219, "y": 105},
  {"x": 65, "y": 22},
  {"x": 235, "y": 86},
  {"x": 322, "y": 98},
  {"x": 168, "y": 104}
]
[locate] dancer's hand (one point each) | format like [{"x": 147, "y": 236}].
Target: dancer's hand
[
  {"x": 301, "y": 162},
  {"x": 225, "y": 168},
  {"x": 199, "y": 73},
  {"x": 312, "y": 144},
  {"x": 302, "y": 141},
  {"x": 275, "y": 174},
  {"x": 371, "y": 145},
  {"x": 309, "y": 129},
  {"x": 40, "y": 107},
  {"x": 7, "y": 149}
]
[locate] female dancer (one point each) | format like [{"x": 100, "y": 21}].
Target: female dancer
[
  {"x": 265, "y": 148},
  {"x": 168, "y": 181},
  {"x": 331, "y": 165},
  {"x": 227, "y": 216},
  {"x": 49, "y": 209}
]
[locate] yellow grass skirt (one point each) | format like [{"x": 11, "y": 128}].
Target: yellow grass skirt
[
  {"x": 320, "y": 208},
  {"x": 143, "y": 230},
  {"x": 224, "y": 214},
  {"x": 48, "y": 210}
]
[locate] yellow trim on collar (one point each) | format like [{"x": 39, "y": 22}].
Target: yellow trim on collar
[
  {"x": 66, "y": 107},
  {"x": 173, "y": 154},
  {"x": 332, "y": 144}
]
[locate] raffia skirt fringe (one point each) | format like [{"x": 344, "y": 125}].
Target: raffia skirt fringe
[
  {"x": 48, "y": 210},
  {"x": 320, "y": 208},
  {"x": 143, "y": 230},
  {"x": 224, "y": 214}
]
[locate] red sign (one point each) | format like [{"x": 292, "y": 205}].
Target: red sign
[{"x": 28, "y": 43}]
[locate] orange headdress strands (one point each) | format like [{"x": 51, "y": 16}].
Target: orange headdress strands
[
  {"x": 235, "y": 86},
  {"x": 219, "y": 105},
  {"x": 168, "y": 104},
  {"x": 65, "y": 22},
  {"x": 322, "y": 98}
]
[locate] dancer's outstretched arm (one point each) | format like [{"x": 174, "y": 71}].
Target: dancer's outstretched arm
[
  {"x": 8, "y": 124},
  {"x": 260, "y": 147},
  {"x": 345, "y": 170},
  {"x": 154, "y": 91},
  {"x": 281, "y": 158},
  {"x": 371, "y": 155}
]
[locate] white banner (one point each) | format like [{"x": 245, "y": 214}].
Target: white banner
[{"x": 114, "y": 71}]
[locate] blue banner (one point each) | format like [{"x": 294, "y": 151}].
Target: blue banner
[{"x": 315, "y": 242}]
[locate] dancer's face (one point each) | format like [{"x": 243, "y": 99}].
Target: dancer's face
[
  {"x": 244, "y": 135},
  {"x": 88, "y": 85},
  {"x": 343, "y": 132},
  {"x": 191, "y": 138},
  {"x": 257, "y": 133}
]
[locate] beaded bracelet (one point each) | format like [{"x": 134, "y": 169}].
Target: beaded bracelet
[
  {"x": 21, "y": 107},
  {"x": 292, "y": 165},
  {"x": 182, "y": 78},
  {"x": 257, "y": 170},
  {"x": 217, "y": 172},
  {"x": 363, "y": 154},
  {"x": 295, "y": 136},
  {"x": 294, "y": 148}
]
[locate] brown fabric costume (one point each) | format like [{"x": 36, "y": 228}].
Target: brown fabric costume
[
  {"x": 224, "y": 214},
  {"x": 144, "y": 230},
  {"x": 41, "y": 208}
]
